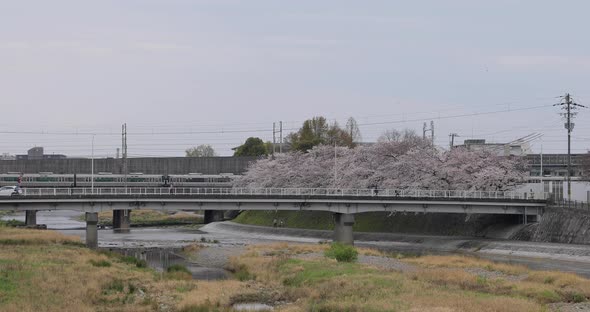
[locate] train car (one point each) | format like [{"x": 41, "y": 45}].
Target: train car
[
  {"x": 107, "y": 179},
  {"x": 201, "y": 180}
]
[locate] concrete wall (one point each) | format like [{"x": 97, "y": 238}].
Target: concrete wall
[
  {"x": 167, "y": 165},
  {"x": 559, "y": 225}
]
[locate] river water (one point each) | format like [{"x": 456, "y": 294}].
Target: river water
[{"x": 160, "y": 247}]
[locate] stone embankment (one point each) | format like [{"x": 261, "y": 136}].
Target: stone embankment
[{"x": 559, "y": 225}]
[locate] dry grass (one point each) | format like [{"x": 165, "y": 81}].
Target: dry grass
[
  {"x": 192, "y": 248},
  {"x": 49, "y": 276},
  {"x": 442, "y": 285},
  {"x": 467, "y": 262},
  {"x": 213, "y": 293},
  {"x": 48, "y": 273},
  {"x": 13, "y": 236}
]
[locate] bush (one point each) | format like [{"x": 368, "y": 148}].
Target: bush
[
  {"x": 100, "y": 263},
  {"x": 177, "y": 268},
  {"x": 132, "y": 260},
  {"x": 115, "y": 285},
  {"x": 11, "y": 223},
  {"x": 141, "y": 264},
  {"x": 178, "y": 272},
  {"x": 341, "y": 252}
]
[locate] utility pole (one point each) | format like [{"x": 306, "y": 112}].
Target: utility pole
[
  {"x": 432, "y": 131},
  {"x": 281, "y": 137},
  {"x": 124, "y": 153},
  {"x": 452, "y": 136},
  {"x": 568, "y": 105},
  {"x": 425, "y": 129},
  {"x": 274, "y": 137},
  {"x": 274, "y": 143},
  {"x": 92, "y": 167},
  {"x": 542, "y": 164}
]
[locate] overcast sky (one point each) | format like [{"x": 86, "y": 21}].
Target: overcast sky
[{"x": 182, "y": 73}]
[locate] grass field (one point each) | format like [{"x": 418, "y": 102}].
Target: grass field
[{"x": 47, "y": 271}]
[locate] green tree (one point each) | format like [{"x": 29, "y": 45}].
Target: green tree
[
  {"x": 252, "y": 147},
  {"x": 203, "y": 150},
  {"x": 317, "y": 131}
]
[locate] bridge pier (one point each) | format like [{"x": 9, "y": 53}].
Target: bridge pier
[
  {"x": 343, "y": 223},
  {"x": 31, "y": 217},
  {"x": 213, "y": 216},
  {"x": 122, "y": 220},
  {"x": 91, "y": 230}
]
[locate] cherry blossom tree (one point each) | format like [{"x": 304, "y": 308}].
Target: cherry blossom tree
[{"x": 397, "y": 163}]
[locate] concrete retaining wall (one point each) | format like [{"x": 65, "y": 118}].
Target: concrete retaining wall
[
  {"x": 559, "y": 225},
  {"x": 167, "y": 165}
]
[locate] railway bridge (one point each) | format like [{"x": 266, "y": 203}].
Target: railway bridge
[{"x": 344, "y": 203}]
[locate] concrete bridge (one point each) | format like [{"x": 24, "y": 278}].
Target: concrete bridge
[{"x": 344, "y": 203}]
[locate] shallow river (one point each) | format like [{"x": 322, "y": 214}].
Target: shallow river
[{"x": 160, "y": 246}]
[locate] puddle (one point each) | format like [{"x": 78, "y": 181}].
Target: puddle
[{"x": 162, "y": 258}]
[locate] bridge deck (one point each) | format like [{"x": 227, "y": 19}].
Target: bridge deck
[{"x": 342, "y": 201}]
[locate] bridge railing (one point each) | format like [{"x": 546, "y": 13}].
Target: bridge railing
[
  {"x": 273, "y": 192},
  {"x": 571, "y": 204}
]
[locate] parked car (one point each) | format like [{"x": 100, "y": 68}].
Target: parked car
[{"x": 10, "y": 191}]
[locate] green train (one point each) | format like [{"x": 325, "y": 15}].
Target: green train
[{"x": 106, "y": 179}]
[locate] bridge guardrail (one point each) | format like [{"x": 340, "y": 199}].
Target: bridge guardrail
[
  {"x": 140, "y": 191},
  {"x": 572, "y": 204}
]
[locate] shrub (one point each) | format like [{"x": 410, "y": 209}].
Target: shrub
[
  {"x": 100, "y": 263},
  {"x": 177, "y": 268},
  {"x": 132, "y": 260},
  {"x": 141, "y": 263},
  {"x": 341, "y": 252},
  {"x": 577, "y": 297},
  {"x": 115, "y": 285}
]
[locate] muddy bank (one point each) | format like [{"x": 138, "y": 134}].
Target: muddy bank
[{"x": 537, "y": 255}]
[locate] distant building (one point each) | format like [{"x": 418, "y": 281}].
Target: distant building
[
  {"x": 7, "y": 156},
  {"x": 501, "y": 149},
  {"x": 554, "y": 165},
  {"x": 37, "y": 153}
]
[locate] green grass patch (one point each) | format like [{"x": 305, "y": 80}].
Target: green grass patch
[
  {"x": 100, "y": 263},
  {"x": 341, "y": 252},
  {"x": 116, "y": 285},
  {"x": 178, "y": 272},
  {"x": 317, "y": 220},
  {"x": 134, "y": 261},
  {"x": 8, "y": 286},
  {"x": 299, "y": 272},
  {"x": 177, "y": 268},
  {"x": 11, "y": 223}
]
